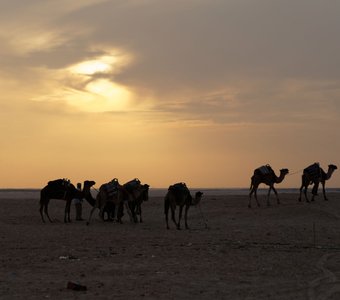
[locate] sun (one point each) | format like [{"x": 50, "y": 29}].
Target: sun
[
  {"x": 103, "y": 64},
  {"x": 98, "y": 94}
]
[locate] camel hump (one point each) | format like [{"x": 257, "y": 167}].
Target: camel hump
[
  {"x": 313, "y": 170},
  {"x": 264, "y": 170}
]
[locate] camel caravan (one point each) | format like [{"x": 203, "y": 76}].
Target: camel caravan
[
  {"x": 113, "y": 198},
  {"x": 312, "y": 175}
]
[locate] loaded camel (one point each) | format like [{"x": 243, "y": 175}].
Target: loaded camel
[
  {"x": 138, "y": 193},
  {"x": 266, "y": 175},
  {"x": 112, "y": 197},
  {"x": 179, "y": 195},
  {"x": 314, "y": 174},
  {"x": 63, "y": 189}
]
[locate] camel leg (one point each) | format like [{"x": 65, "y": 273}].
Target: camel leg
[
  {"x": 101, "y": 213},
  {"x": 167, "y": 219},
  {"x": 132, "y": 206},
  {"x": 315, "y": 189},
  {"x": 129, "y": 211},
  {"x": 179, "y": 217},
  {"x": 305, "y": 193},
  {"x": 277, "y": 196},
  {"x": 324, "y": 190},
  {"x": 139, "y": 208},
  {"x": 41, "y": 212},
  {"x": 166, "y": 211},
  {"x": 173, "y": 217},
  {"x": 270, "y": 189},
  {"x": 253, "y": 191},
  {"x": 301, "y": 188},
  {"x": 67, "y": 217},
  {"x": 250, "y": 194},
  {"x": 303, "y": 185},
  {"x": 91, "y": 212},
  {"x": 65, "y": 213},
  {"x": 46, "y": 212},
  {"x": 120, "y": 212},
  {"x": 257, "y": 201},
  {"x": 186, "y": 216}
]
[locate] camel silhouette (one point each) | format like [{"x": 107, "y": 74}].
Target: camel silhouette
[
  {"x": 179, "y": 195},
  {"x": 314, "y": 174},
  {"x": 63, "y": 189},
  {"x": 266, "y": 175}
]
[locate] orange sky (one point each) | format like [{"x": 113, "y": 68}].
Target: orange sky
[{"x": 196, "y": 91}]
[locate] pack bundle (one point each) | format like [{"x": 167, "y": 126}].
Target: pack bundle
[
  {"x": 313, "y": 170},
  {"x": 111, "y": 188},
  {"x": 59, "y": 183},
  {"x": 264, "y": 170},
  {"x": 179, "y": 187},
  {"x": 132, "y": 184}
]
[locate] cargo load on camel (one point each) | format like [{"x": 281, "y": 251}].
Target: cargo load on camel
[
  {"x": 59, "y": 183},
  {"x": 111, "y": 188},
  {"x": 132, "y": 184},
  {"x": 265, "y": 170},
  {"x": 313, "y": 170},
  {"x": 179, "y": 187}
]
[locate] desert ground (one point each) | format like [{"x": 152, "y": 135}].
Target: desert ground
[{"x": 286, "y": 251}]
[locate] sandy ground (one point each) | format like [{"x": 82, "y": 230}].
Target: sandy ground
[{"x": 259, "y": 253}]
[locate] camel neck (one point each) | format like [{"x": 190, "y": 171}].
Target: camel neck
[
  {"x": 329, "y": 173},
  {"x": 280, "y": 178}
]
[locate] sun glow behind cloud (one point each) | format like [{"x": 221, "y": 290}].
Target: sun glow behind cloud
[
  {"x": 88, "y": 86},
  {"x": 103, "y": 64}
]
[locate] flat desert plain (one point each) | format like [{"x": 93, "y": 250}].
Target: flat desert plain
[{"x": 290, "y": 251}]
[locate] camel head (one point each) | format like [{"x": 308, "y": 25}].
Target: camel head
[
  {"x": 89, "y": 183},
  {"x": 332, "y": 167},
  {"x": 145, "y": 194},
  {"x": 284, "y": 171},
  {"x": 198, "y": 197}
]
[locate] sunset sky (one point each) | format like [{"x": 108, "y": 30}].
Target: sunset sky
[{"x": 200, "y": 91}]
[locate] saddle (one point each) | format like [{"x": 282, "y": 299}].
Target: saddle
[
  {"x": 313, "y": 170},
  {"x": 179, "y": 187},
  {"x": 132, "y": 184},
  {"x": 59, "y": 183},
  {"x": 111, "y": 188},
  {"x": 264, "y": 170}
]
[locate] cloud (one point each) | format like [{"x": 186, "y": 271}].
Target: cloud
[{"x": 220, "y": 61}]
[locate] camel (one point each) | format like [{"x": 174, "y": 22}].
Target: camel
[
  {"x": 63, "y": 189},
  {"x": 136, "y": 194},
  {"x": 266, "y": 175},
  {"x": 179, "y": 195},
  {"x": 112, "y": 195},
  {"x": 109, "y": 194},
  {"x": 314, "y": 174}
]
